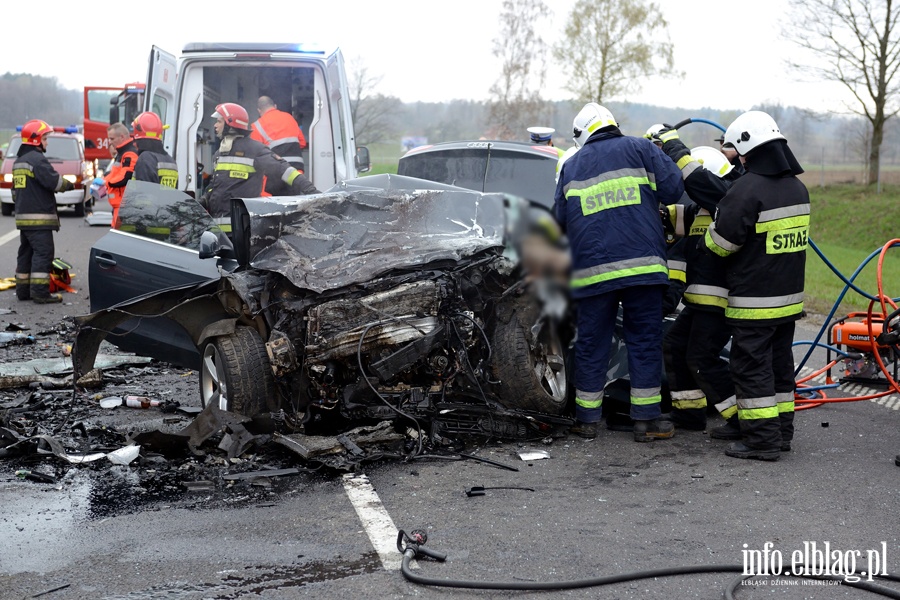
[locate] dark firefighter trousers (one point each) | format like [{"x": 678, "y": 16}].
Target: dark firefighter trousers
[
  {"x": 762, "y": 366},
  {"x": 698, "y": 375},
  {"x": 642, "y": 322},
  {"x": 33, "y": 263}
]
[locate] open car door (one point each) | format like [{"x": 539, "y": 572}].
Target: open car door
[{"x": 162, "y": 74}]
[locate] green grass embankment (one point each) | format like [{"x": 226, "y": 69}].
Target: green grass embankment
[{"x": 848, "y": 223}]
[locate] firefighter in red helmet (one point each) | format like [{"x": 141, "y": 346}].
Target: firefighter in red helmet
[
  {"x": 242, "y": 166},
  {"x": 35, "y": 182},
  {"x": 153, "y": 164}
]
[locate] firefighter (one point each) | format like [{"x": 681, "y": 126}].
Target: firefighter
[
  {"x": 242, "y": 166},
  {"x": 760, "y": 231},
  {"x": 122, "y": 167},
  {"x": 692, "y": 346},
  {"x": 153, "y": 163},
  {"x": 730, "y": 154},
  {"x": 35, "y": 182},
  {"x": 607, "y": 201}
]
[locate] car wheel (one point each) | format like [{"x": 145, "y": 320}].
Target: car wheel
[
  {"x": 7, "y": 209},
  {"x": 79, "y": 209},
  {"x": 530, "y": 378},
  {"x": 235, "y": 374}
]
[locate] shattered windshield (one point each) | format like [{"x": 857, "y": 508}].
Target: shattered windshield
[{"x": 335, "y": 239}]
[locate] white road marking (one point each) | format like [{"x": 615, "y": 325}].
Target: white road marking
[
  {"x": 8, "y": 237},
  {"x": 375, "y": 519}
]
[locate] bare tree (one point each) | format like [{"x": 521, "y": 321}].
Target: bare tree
[
  {"x": 516, "y": 96},
  {"x": 855, "y": 43},
  {"x": 374, "y": 115},
  {"x": 610, "y": 45}
]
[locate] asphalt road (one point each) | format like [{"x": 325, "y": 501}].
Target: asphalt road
[{"x": 603, "y": 507}]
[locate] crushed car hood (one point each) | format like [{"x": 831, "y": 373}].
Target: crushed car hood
[{"x": 354, "y": 233}]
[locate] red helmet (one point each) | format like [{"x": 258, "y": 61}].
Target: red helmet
[
  {"x": 148, "y": 125},
  {"x": 234, "y": 115},
  {"x": 33, "y": 131}
]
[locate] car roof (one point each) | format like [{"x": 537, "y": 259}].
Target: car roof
[
  {"x": 519, "y": 168},
  {"x": 511, "y": 146}
]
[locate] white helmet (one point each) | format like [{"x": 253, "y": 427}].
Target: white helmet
[
  {"x": 591, "y": 118},
  {"x": 712, "y": 160},
  {"x": 654, "y": 130},
  {"x": 562, "y": 159},
  {"x": 750, "y": 130}
]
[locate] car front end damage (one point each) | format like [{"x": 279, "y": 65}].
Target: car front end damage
[{"x": 368, "y": 304}]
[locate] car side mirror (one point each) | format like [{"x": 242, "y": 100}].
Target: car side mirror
[
  {"x": 209, "y": 245},
  {"x": 363, "y": 163}
]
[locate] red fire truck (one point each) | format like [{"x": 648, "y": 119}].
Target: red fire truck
[{"x": 105, "y": 105}]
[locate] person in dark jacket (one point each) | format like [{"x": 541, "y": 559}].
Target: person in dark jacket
[
  {"x": 761, "y": 233},
  {"x": 692, "y": 347},
  {"x": 153, "y": 163},
  {"x": 35, "y": 182},
  {"x": 242, "y": 166},
  {"x": 607, "y": 200}
]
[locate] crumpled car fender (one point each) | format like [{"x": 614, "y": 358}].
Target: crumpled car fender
[{"x": 196, "y": 307}]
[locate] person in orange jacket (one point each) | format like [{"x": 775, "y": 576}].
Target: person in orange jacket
[
  {"x": 280, "y": 132},
  {"x": 122, "y": 168}
]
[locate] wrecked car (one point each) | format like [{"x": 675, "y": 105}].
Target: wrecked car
[{"x": 384, "y": 298}]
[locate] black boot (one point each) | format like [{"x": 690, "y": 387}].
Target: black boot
[
  {"x": 731, "y": 430},
  {"x": 586, "y": 430},
  {"x": 739, "y": 450},
  {"x": 654, "y": 429}
]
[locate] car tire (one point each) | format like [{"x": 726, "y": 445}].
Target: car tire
[
  {"x": 79, "y": 209},
  {"x": 532, "y": 379},
  {"x": 7, "y": 209},
  {"x": 235, "y": 373}
]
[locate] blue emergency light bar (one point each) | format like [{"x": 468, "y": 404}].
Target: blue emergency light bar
[{"x": 69, "y": 129}]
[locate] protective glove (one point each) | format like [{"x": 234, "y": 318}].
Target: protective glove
[
  {"x": 67, "y": 186},
  {"x": 674, "y": 147}
]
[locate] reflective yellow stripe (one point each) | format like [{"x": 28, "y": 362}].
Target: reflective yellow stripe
[
  {"x": 764, "y": 313},
  {"x": 749, "y": 414},
  {"x": 577, "y": 283},
  {"x": 786, "y": 407},
  {"x": 788, "y": 223},
  {"x": 234, "y": 166},
  {"x": 677, "y": 275},
  {"x": 717, "y": 244},
  {"x": 685, "y": 160},
  {"x": 706, "y": 300},
  {"x": 729, "y": 412},
  {"x": 36, "y": 222},
  {"x": 688, "y": 404},
  {"x": 588, "y": 403},
  {"x": 645, "y": 401}
]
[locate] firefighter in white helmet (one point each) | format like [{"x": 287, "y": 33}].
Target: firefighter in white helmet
[
  {"x": 761, "y": 232},
  {"x": 697, "y": 375},
  {"x": 607, "y": 201}
]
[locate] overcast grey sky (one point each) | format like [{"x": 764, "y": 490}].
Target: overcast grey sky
[{"x": 731, "y": 51}]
